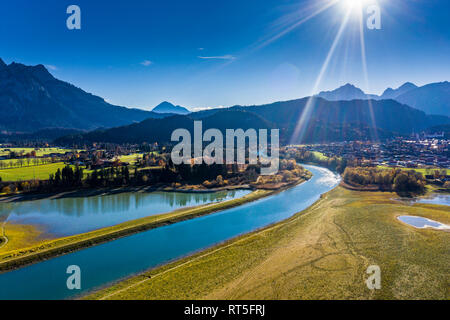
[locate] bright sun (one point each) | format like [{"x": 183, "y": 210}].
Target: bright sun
[{"x": 350, "y": 4}]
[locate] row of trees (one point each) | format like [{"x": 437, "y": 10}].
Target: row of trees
[
  {"x": 289, "y": 171},
  {"x": 401, "y": 181},
  {"x": 149, "y": 160},
  {"x": 67, "y": 177},
  {"x": 21, "y": 162},
  {"x": 70, "y": 177},
  {"x": 109, "y": 176}
]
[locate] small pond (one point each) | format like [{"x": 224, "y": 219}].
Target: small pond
[{"x": 421, "y": 223}]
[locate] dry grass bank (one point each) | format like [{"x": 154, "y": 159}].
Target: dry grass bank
[{"x": 321, "y": 253}]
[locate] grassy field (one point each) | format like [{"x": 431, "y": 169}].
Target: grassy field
[
  {"x": 32, "y": 172},
  {"x": 42, "y": 171},
  {"x": 321, "y": 253},
  {"x": 14, "y": 254},
  {"x": 320, "y": 155},
  {"x": 11, "y": 163},
  {"x": 39, "y": 153},
  {"x": 20, "y": 236},
  {"x": 423, "y": 171},
  {"x": 130, "y": 158}
]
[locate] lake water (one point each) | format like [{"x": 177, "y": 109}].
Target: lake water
[
  {"x": 420, "y": 222},
  {"x": 443, "y": 199},
  {"x": 103, "y": 264},
  {"x": 69, "y": 216}
]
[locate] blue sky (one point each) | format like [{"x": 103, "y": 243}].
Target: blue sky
[{"x": 205, "y": 53}]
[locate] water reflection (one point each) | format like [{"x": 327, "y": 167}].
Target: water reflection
[
  {"x": 68, "y": 216},
  {"x": 123, "y": 257}
]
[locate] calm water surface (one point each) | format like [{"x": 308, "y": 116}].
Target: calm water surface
[
  {"x": 420, "y": 222},
  {"x": 109, "y": 262},
  {"x": 69, "y": 216},
  {"x": 443, "y": 199}
]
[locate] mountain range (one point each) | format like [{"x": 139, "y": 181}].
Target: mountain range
[
  {"x": 32, "y": 99},
  {"x": 160, "y": 130},
  {"x": 433, "y": 98},
  {"x": 328, "y": 121}
]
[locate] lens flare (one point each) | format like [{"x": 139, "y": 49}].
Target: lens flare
[{"x": 350, "y": 4}]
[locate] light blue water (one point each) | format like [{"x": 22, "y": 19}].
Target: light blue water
[
  {"x": 117, "y": 259},
  {"x": 69, "y": 216},
  {"x": 420, "y": 222},
  {"x": 443, "y": 199}
]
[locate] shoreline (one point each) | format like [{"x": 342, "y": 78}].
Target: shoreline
[
  {"x": 5, "y": 240},
  {"x": 82, "y": 193},
  {"x": 368, "y": 188},
  {"x": 148, "y": 274},
  {"x": 18, "y": 258},
  {"x": 402, "y": 197},
  {"x": 157, "y": 283}
]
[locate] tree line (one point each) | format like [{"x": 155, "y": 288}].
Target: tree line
[
  {"x": 21, "y": 162},
  {"x": 69, "y": 177},
  {"x": 400, "y": 181}
]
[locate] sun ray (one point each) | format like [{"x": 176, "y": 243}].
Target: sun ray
[
  {"x": 287, "y": 26},
  {"x": 306, "y": 113},
  {"x": 374, "y": 135},
  {"x": 295, "y": 25}
]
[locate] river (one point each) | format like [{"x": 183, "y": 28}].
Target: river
[
  {"x": 74, "y": 215},
  {"x": 112, "y": 261}
]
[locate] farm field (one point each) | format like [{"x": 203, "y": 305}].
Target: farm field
[
  {"x": 423, "y": 171},
  {"x": 20, "y": 163},
  {"x": 130, "y": 158},
  {"x": 320, "y": 253},
  {"x": 320, "y": 155},
  {"x": 41, "y": 172},
  {"x": 39, "y": 152}
]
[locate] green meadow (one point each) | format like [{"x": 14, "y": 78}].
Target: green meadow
[
  {"x": 320, "y": 155},
  {"x": 423, "y": 171},
  {"x": 41, "y": 172},
  {"x": 39, "y": 152}
]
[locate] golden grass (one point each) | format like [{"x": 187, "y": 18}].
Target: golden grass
[
  {"x": 321, "y": 253},
  {"x": 20, "y": 236}
]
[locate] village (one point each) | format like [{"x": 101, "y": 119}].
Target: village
[
  {"x": 419, "y": 152},
  {"x": 94, "y": 157}
]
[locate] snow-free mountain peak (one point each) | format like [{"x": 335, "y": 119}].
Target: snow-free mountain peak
[
  {"x": 167, "y": 107},
  {"x": 390, "y": 93},
  {"x": 32, "y": 99},
  {"x": 345, "y": 92}
]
